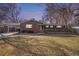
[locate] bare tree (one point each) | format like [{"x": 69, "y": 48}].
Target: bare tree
[
  {"x": 9, "y": 11},
  {"x": 76, "y": 14},
  {"x": 59, "y": 14},
  {"x": 13, "y": 12}
]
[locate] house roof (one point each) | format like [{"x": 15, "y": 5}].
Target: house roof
[
  {"x": 12, "y": 24},
  {"x": 33, "y": 22}
]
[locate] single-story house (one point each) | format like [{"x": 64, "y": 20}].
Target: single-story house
[
  {"x": 35, "y": 26},
  {"x": 12, "y": 27},
  {"x": 3, "y": 29},
  {"x": 9, "y": 27}
]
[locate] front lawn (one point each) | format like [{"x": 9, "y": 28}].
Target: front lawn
[{"x": 40, "y": 45}]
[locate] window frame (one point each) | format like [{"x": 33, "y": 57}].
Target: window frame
[{"x": 29, "y": 26}]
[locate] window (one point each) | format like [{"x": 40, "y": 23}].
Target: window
[
  {"x": 51, "y": 26},
  {"x": 59, "y": 26},
  {"x": 28, "y": 25},
  {"x": 47, "y": 26}
]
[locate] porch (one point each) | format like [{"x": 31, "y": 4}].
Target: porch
[{"x": 56, "y": 29}]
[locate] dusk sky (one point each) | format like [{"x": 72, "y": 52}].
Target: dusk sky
[{"x": 29, "y": 11}]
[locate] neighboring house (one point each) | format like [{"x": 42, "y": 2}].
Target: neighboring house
[
  {"x": 31, "y": 26},
  {"x": 3, "y": 28},
  {"x": 9, "y": 27},
  {"x": 13, "y": 26}
]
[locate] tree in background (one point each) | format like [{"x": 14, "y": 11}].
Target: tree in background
[
  {"x": 14, "y": 12},
  {"x": 76, "y": 15},
  {"x": 9, "y": 11},
  {"x": 59, "y": 14}
]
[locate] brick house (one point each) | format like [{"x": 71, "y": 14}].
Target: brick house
[{"x": 35, "y": 26}]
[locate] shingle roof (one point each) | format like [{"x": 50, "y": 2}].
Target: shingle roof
[{"x": 33, "y": 22}]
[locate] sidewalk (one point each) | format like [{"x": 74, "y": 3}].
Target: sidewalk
[{"x": 7, "y": 34}]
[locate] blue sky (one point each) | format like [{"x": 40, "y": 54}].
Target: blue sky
[{"x": 31, "y": 10}]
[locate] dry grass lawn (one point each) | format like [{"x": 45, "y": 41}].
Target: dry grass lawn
[{"x": 40, "y": 45}]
